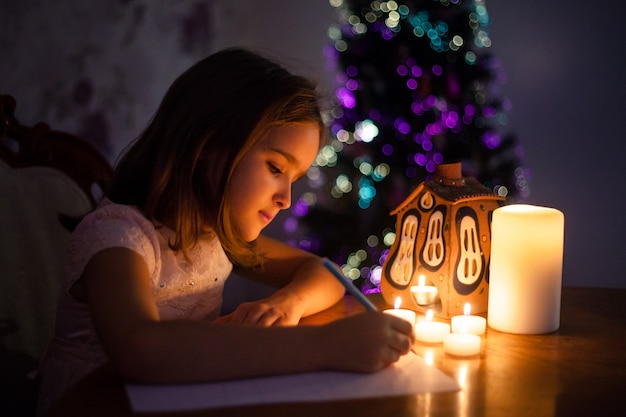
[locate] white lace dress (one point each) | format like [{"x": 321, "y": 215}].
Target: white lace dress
[{"x": 181, "y": 289}]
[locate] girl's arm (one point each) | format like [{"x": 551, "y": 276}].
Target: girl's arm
[
  {"x": 305, "y": 286},
  {"x": 143, "y": 348}
]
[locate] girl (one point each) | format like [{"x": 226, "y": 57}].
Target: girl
[{"x": 189, "y": 201}]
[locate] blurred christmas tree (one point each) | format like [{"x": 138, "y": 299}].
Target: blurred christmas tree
[{"x": 416, "y": 87}]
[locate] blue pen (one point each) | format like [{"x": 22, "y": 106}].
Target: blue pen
[{"x": 347, "y": 283}]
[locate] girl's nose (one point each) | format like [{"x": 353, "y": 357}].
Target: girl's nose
[{"x": 283, "y": 197}]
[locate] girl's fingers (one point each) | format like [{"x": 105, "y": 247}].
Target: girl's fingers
[
  {"x": 402, "y": 336},
  {"x": 257, "y": 317},
  {"x": 402, "y": 326},
  {"x": 401, "y": 344},
  {"x": 227, "y": 318},
  {"x": 239, "y": 315},
  {"x": 391, "y": 355}
]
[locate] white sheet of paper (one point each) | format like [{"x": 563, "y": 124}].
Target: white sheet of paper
[{"x": 410, "y": 375}]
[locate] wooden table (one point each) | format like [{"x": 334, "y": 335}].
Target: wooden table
[{"x": 580, "y": 370}]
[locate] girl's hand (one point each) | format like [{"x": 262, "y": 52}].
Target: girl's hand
[
  {"x": 272, "y": 311},
  {"x": 365, "y": 342}
]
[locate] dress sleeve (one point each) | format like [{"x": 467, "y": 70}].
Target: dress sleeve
[{"x": 110, "y": 226}]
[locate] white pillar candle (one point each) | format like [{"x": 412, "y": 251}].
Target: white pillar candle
[
  {"x": 468, "y": 323},
  {"x": 462, "y": 344},
  {"x": 525, "y": 269},
  {"x": 429, "y": 331},
  {"x": 403, "y": 313}
]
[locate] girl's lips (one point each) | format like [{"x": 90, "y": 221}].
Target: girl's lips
[{"x": 265, "y": 216}]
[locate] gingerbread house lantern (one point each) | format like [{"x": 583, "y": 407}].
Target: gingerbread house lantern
[{"x": 440, "y": 257}]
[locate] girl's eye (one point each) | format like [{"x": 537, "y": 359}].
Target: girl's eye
[{"x": 273, "y": 168}]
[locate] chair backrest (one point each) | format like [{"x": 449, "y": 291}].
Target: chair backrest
[{"x": 48, "y": 180}]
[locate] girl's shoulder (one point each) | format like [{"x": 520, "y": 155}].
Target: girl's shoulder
[
  {"x": 109, "y": 213},
  {"x": 115, "y": 225},
  {"x": 112, "y": 225}
]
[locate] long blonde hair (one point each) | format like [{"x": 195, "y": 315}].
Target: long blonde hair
[{"x": 179, "y": 168}]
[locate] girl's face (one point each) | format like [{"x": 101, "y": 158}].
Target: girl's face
[{"x": 261, "y": 183}]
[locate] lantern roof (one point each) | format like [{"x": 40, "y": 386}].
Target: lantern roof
[
  {"x": 471, "y": 188},
  {"x": 449, "y": 184}
]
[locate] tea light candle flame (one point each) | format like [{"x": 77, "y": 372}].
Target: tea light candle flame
[
  {"x": 467, "y": 308},
  {"x": 397, "y": 303}
]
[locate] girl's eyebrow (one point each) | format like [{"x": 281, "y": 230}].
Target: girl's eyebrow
[{"x": 289, "y": 157}]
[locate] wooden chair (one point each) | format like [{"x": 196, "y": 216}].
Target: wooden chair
[{"x": 48, "y": 181}]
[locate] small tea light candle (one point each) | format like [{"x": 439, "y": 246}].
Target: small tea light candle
[
  {"x": 430, "y": 331},
  {"x": 472, "y": 324},
  {"x": 462, "y": 344},
  {"x": 403, "y": 313},
  {"x": 424, "y": 294}
]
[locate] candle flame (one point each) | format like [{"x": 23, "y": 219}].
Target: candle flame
[
  {"x": 398, "y": 302},
  {"x": 421, "y": 281},
  {"x": 429, "y": 315},
  {"x": 467, "y": 309}
]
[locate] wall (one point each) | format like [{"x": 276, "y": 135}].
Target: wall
[
  {"x": 98, "y": 68},
  {"x": 564, "y": 62}
]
